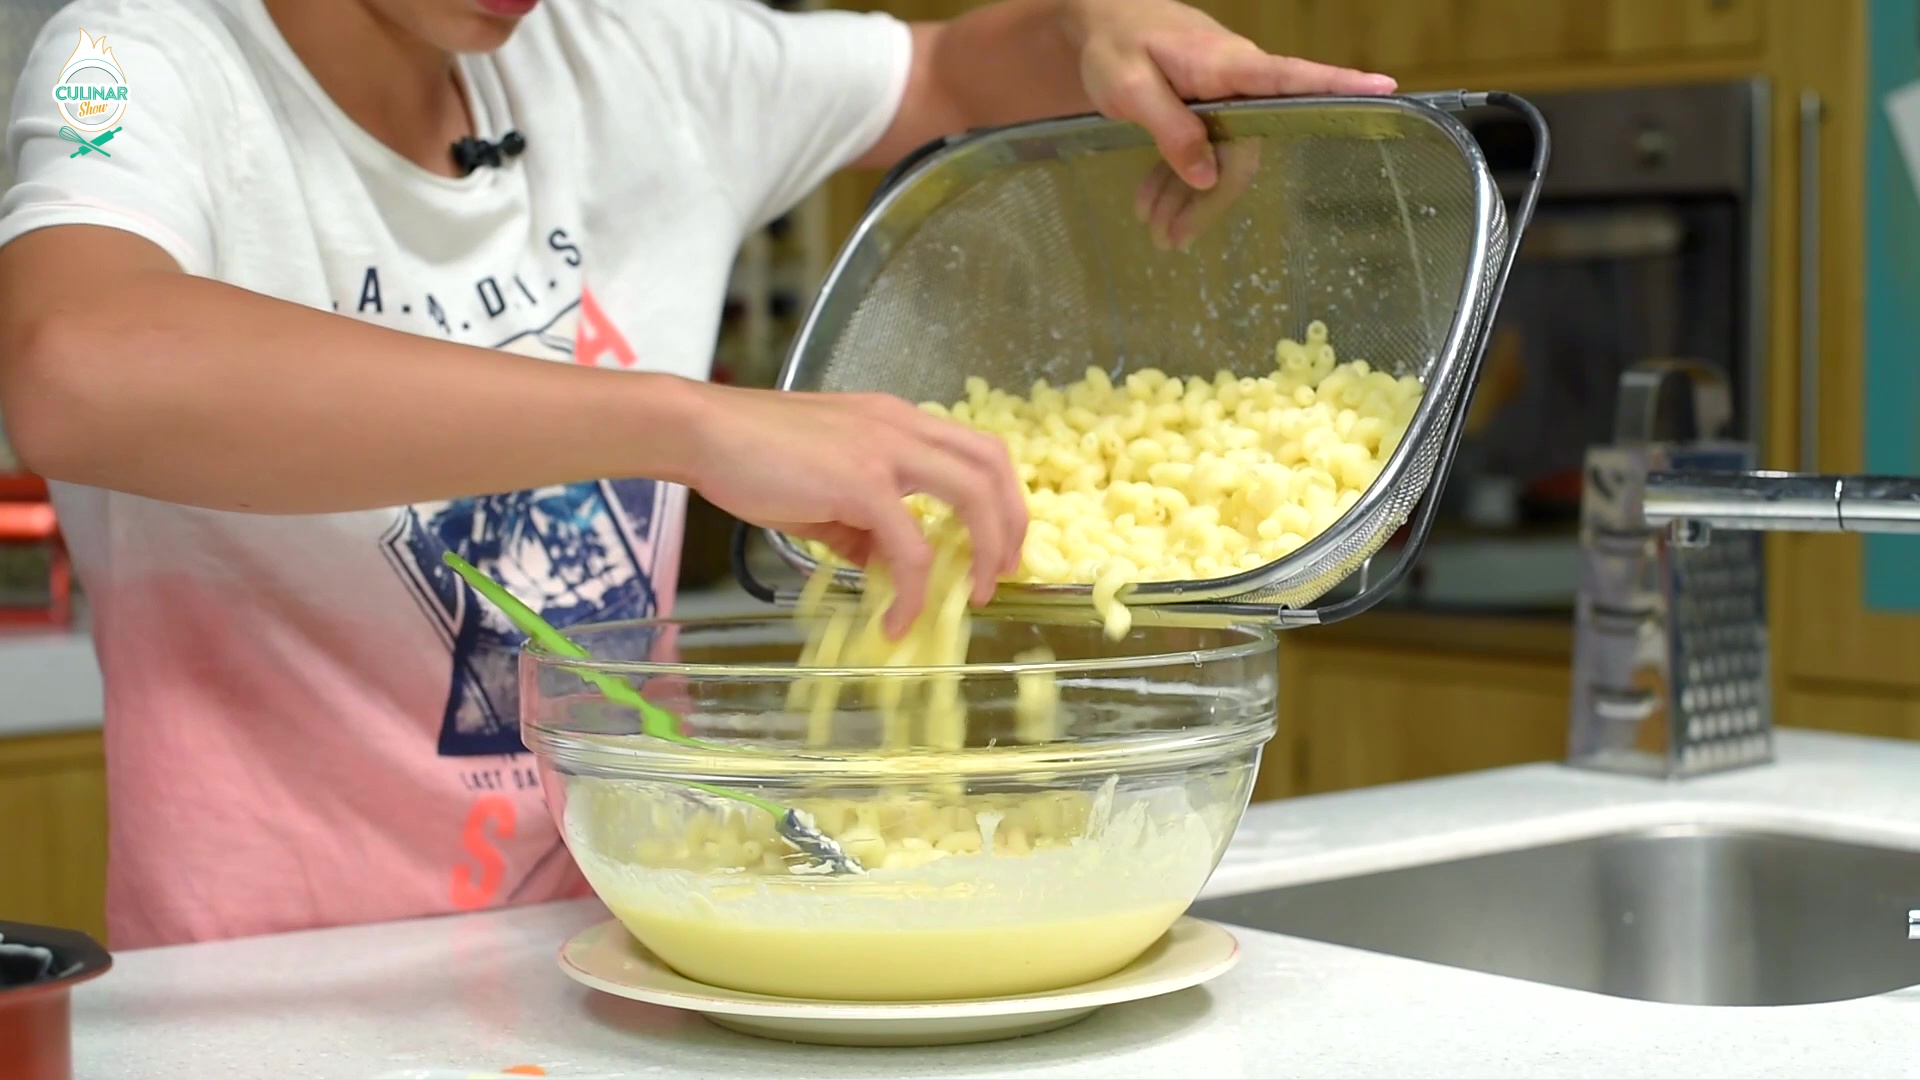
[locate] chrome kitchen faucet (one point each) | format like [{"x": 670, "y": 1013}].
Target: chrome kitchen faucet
[{"x": 1692, "y": 503}]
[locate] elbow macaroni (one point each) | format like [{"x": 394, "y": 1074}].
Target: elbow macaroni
[
  {"x": 1153, "y": 478},
  {"x": 1158, "y": 478},
  {"x": 855, "y": 636}
]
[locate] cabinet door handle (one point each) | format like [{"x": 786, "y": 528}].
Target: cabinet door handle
[{"x": 1811, "y": 112}]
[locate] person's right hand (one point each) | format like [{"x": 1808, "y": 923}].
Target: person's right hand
[{"x": 836, "y": 467}]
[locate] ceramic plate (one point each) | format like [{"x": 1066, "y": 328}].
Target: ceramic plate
[{"x": 606, "y": 958}]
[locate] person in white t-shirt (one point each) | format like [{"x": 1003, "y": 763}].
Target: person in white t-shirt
[{"x": 277, "y": 350}]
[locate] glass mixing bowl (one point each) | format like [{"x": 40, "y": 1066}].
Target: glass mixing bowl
[{"x": 1030, "y": 857}]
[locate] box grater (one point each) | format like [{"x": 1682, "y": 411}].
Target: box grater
[{"x": 1671, "y": 666}]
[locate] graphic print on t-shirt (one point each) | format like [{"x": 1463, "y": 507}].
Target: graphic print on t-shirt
[{"x": 576, "y": 553}]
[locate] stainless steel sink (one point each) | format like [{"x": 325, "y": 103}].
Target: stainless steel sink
[{"x": 1683, "y": 914}]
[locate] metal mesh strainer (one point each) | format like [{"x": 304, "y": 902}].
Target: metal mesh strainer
[{"x": 1015, "y": 255}]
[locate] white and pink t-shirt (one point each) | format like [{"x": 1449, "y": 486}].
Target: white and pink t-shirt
[{"x": 309, "y": 720}]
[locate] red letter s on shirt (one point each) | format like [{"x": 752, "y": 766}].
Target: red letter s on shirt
[{"x": 472, "y": 890}]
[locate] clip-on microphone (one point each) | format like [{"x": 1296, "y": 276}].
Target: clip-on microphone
[{"x": 470, "y": 153}]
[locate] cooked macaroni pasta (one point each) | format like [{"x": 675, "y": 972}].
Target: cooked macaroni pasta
[
  {"x": 1154, "y": 478},
  {"x": 1159, "y": 478},
  {"x": 855, "y": 636}
]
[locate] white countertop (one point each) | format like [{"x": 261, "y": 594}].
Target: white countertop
[
  {"x": 50, "y": 681},
  {"x": 482, "y": 992}
]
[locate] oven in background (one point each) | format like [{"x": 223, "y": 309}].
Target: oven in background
[{"x": 1649, "y": 242}]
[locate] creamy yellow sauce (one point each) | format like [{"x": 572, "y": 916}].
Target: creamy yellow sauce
[
  {"x": 980, "y": 896},
  {"x": 912, "y": 964}
]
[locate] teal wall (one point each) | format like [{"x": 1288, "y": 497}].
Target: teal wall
[{"x": 1893, "y": 300}]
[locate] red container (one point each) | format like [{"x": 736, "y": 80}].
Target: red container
[
  {"x": 36, "y": 574},
  {"x": 36, "y": 1034},
  {"x": 22, "y": 487}
]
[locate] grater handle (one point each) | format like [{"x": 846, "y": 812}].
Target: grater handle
[{"x": 1636, "y": 420}]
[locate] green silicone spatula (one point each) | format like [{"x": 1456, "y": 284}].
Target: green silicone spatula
[{"x": 793, "y": 824}]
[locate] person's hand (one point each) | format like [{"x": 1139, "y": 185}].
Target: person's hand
[
  {"x": 835, "y": 467},
  {"x": 1175, "y": 212},
  {"x": 1142, "y": 60}
]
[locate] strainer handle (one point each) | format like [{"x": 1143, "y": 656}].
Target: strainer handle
[{"x": 743, "y": 566}]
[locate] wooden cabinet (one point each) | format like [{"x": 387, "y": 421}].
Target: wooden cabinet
[
  {"x": 1887, "y": 713},
  {"x": 1359, "y": 715},
  {"x": 53, "y": 831},
  {"x": 1847, "y": 606},
  {"x": 1405, "y": 37}
]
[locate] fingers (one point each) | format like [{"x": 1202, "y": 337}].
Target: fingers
[
  {"x": 1174, "y": 196},
  {"x": 838, "y": 468},
  {"x": 851, "y": 544},
  {"x": 1176, "y": 214},
  {"x": 1239, "y": 162},
  {"x": 968, "y": 470},
  {"x": 1158, "y": 200},
  {"x": 987, "y": 458},
  {"x": 1254, "y": 73},
  {"x": 969, "y": 489},
  {"x": 902, "y": 546},
  {"x": 1148, "y": 193},
  {"x": 1143, "y": 96},
  {"x": 989, "y": 454}
]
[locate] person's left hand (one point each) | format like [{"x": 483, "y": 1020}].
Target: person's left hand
[
  {"x": 1175, "y": 212},
  {"x": 1142, "y": 60}
]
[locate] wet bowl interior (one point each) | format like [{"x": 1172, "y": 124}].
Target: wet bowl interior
[{"x": 1025, "y": 855}]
